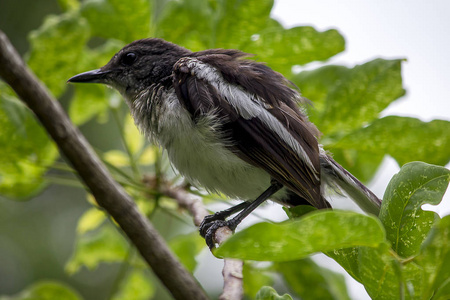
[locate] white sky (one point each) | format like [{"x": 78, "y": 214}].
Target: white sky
[{"x": 416, "y": 30}]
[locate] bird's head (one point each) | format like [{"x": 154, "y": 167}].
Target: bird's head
[{"x": 136, "y": 66}]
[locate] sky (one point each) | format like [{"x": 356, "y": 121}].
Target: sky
[{"x": 418, "y": 31}]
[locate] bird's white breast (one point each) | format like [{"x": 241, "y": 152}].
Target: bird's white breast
[{"x": 196, "y": 151}]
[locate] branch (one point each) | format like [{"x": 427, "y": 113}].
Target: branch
[
  {"x": 108, "y": 193},
  {"x": 232, "y": 269}
]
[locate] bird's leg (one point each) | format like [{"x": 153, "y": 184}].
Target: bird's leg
[
  {"x": 211, "y": 223},
  {"x": 221, "y": 215}
]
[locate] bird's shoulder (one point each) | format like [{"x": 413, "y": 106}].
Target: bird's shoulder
[
  {"x": 236, "y": 69},
  {"x": 280, "y": 96}
]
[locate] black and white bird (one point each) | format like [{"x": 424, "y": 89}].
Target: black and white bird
[{"x": 228, "y": 124}]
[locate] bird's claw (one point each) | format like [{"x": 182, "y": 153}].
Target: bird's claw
[
  {"x": 209, "y": 226},
  {"x": 209, "y": 230}
]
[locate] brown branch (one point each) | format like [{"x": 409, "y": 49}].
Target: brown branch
[
  {"x": 232, "y": 269},
  {"x": 108, "y": 193}
]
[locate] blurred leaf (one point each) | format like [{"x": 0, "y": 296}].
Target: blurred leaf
[
  {"x": 315, "y": 85},
  {"x": 435, "y": 261},
  {"x": 356, "y": 98},
  {"x": 254, "y": 279},
  {"x": 414, "y": 139},
  {"x": 90, "y": 220},
  {"x": 186, "y": 247},
  {"x": 117, "y": 158},
  {"x": 238, "y": 20},
  {"x": 405, "y": 222},
  {"x": 362, "y": 164},
  {"x": 148, "y": 156},
  {"x": 56, "y": 49},
  {"x": 45, "y": 290},
  {"x": 134, "y": 139},
  {"x": 385, "y": 277},
  {"x": 303, "y": 274},
  {"x": 136, "y": 286},
  {"x": 269, "y": 293},
  {"x": 443, "y": 293},
  {"x": 89, "y": 100},
  {"x": 306, "y": 44},
  {"x": 26, "y": 150},
  {"x": 69, "y": 5},
  {"x": 197, "y": 17},
  {"x": 123, "y": 20},
  {"x": 246, "y": 25},
  {"x": 104, "y": 245},
  {"x": 144, "y": 205},
  {"x": 92, "y": 99},
  {"x": 295, "y": 239}
]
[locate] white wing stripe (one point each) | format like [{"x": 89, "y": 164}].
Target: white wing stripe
[{"x": 247, "y": 105}]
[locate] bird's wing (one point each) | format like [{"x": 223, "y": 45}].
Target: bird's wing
[{"x": 274, "y": 138}]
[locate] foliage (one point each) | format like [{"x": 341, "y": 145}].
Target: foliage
[
  {"x": 410, "y": 261},
  {"x": 403, "y": 254}
]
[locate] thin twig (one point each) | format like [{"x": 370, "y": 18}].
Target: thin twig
[
  {"x": 232, "y": 269},
  {"x": 108, "y": 193}
]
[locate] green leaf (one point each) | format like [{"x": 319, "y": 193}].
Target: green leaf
[
  {"x": 89, "y": 100},
  {"x": 405, "y": 139},
  {"x": 117, "y": 158},
  {"x": 306, "y": 44},
  {"x": 136, "y": 286},
  {"x": 295, "y": 239},
  {"x": 298, "y": 211},
  {"x": 122, "y": 20},
  {"x": 269, "y": 293},
  {"x": 92, "y": 99},
  {"x": 213, "y": 24},
  {"x": 405, "y": 222},
  {"x": 246, "y": 25},
  {"x": 356, "y": 99},
  {"x": 56, "y": 49},
  {"x": 254, "y": 279},
  {"x": 435, "y": 261},
  {"x": 69, "y": 5},
  {"x": 197, "y": 17},
  {"x": 348, "y": 259},
  {"x": 104, "y": 245},
  {"x": 385, "y": 277},
  {"x": 315, "y": 85},
  {"x": 134, "y": 139},
  {"x": 237, "y": 20},
  {"x": 186, "y": 247},
  {"x": 45, "y": 290},
  {"x": 303, "y": 274},
  {"x": 26, "y": 150},
  {"x": 148, "y": 156},
  {"x": 362, "y": 164},
  {"x": 90, "y": 220}
]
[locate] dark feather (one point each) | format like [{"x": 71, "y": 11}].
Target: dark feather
[{"x": 251, "y": 139}]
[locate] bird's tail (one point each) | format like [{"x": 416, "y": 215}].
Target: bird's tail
[{"x": 334, "y": 175}]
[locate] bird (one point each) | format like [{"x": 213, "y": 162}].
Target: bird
[{"x": 229, "y": 124}]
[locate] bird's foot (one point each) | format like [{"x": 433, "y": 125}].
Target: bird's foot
[{"x": 209, "y": 226}]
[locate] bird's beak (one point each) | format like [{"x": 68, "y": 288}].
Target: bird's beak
[{"x": 94, "y": 76}]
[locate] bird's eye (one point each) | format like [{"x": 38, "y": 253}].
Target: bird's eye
[{"x": 128, "y": 58}]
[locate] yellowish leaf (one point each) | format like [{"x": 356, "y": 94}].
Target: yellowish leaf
[
  {"x": 148, "y": 156},
  {"x": 117, "y": 158},
  {"x": 133, "y": 138},
  {"x": 90, "y": 220}
]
